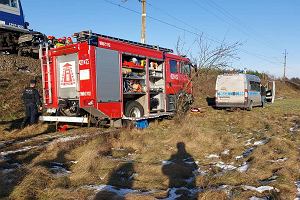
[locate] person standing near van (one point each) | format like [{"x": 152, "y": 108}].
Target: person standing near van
[
  {"x": 32, "y": 102},
  {"x": 263, "y": 94}
]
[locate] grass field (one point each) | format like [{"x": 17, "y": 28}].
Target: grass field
[{"x": 215, "y": 154}]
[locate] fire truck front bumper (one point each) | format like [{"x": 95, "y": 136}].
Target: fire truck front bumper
[{"x": 81, "y": 120}]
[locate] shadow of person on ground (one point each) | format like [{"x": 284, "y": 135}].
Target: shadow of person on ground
[
  {"x": 13, "y": 124},
  {"x": 119, "y": 183},
  {"x": 181, "y": 170}
]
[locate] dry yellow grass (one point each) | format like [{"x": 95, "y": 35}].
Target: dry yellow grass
[{"x": 96, "y": 160}]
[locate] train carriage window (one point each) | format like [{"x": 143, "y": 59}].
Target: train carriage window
[
  {"x": 14, "y": 3},
  {"x": 11, "y": 3},
  {"x": 5, "y": 2},
  {"x": 173, "y": 66}
]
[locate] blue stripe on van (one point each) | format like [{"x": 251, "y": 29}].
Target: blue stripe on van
[
  {"x": 222, "y": 94},
  {"x": 253, "y": 93}
]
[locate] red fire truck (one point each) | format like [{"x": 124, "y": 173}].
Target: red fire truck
[{"x": 105, "y": 79}]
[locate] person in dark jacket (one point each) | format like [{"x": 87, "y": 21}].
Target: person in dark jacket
[
  {"x": 263, "y": 93},
  {"x": 32, "y": 102}
]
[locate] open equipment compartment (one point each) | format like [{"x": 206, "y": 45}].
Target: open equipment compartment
[
  {"x": 134, "y": 76},
  {"x": 156, "y": 69}
]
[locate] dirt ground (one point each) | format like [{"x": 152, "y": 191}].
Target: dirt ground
[{"x": 213, "y": 154}]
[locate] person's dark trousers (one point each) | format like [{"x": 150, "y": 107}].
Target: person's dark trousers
[{"x": 31, "y": 114}]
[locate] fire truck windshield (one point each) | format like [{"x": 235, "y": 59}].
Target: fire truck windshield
[{"x": 186, "y": 68}]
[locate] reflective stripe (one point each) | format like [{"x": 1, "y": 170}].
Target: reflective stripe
[{"x": 221, "y": 94}]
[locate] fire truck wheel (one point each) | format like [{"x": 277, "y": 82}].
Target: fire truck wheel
[{"x": 134, "y": 109}]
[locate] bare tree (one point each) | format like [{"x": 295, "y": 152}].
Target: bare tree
[
  {"x": 217, "y": 57},
  {"x": 208, "y": 60}
]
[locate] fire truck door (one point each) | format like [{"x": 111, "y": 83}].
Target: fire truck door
[
  {"x": 185, "y": 73},
  {"x": 67, "y": 76}
]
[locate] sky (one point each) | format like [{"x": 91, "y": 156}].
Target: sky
[{"x": 265, "y": 28}]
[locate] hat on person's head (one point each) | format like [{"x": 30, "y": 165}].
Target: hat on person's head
[{"x": 32, "y": 81}]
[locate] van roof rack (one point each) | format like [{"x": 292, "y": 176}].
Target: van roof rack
[{"x": 84, "y": 35}]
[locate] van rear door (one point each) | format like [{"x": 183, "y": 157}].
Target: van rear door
[{"x": 230, "y": 89}]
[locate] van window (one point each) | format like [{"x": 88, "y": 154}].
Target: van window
[
  {"x": 254, "y": 86},
  {"x": 173, "y": 66},
  {"x": 185, "y": 68}
]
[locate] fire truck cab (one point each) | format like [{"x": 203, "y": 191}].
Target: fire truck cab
[{"x": 104, "y": 79}]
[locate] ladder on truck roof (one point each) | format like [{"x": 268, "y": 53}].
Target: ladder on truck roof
[
  {"x": 85, "y": 34},
  {"x": 46, "y": 76}
]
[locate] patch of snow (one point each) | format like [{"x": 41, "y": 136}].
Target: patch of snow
[
  {"x": 248, "y": 142},
  {"x": 189, "y": 180},
  {"x": 226, "y": 167},
  {"x": 7, "y": 171},
  {"x": 295, "y": 128},
  {"x": 227, "y": 189},
  {"x": 59, "y": 169},
  {"x": 279, "y": 160},
  {"x": 24, "y": 149},
  {"x": 11, "y": 168},
  {"x": 298, "y": 190},
  {"x": 2, "y": 144},
  {"x": 261, "y": 142},
  {"x": 268, "y": 180},
  {"x": 167, "y": 162},
  {"x": 122, "y": 192},
  {"x": 67, "y": 139},
  {"x": 225, "y": 152},
  {"x": 239, "y": 157},
  {"x": 257, "y": 198},
  {"x": 248, "y": 152},
  {"x": 173, "y": 195},
  {"x": 244, "y": 167},
  {"x": 212, "y": 156},
  {"x": 119, "y": 191},
  {"x": 118, "y": 149},
  {"x": 260, "y": 189},
  {"x": 201, "y": 172}
]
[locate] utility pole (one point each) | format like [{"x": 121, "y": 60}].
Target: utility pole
[
  {"x": 284, "y": 65},
  {"x": 143, "y": 33}
]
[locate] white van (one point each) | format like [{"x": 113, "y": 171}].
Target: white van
[{"x": 238, "y": 90}]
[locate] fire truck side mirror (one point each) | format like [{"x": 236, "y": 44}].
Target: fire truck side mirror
[
  {"x": 93, "y": 40},
  {"x": 195, "y": 69}
]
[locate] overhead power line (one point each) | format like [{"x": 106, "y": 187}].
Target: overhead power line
[
  {"x": 261, "y": 57},
  {"x": 235, "y": 22}
]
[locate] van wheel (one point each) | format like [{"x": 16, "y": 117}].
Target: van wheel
[
  {"x": 134, "y": 109},
  {"x": 250, "y": 106}
]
